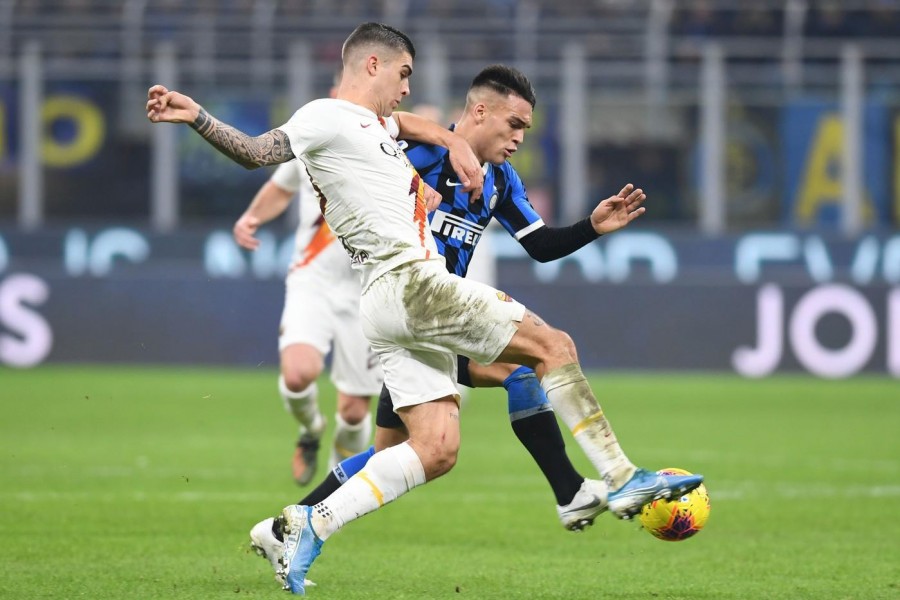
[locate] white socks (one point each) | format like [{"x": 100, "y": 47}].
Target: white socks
[
  {"x": 349, "y": 440},
  {"x": 388, "y": 475},
  {"x": 572, "y": 399},
  {"x": 304, "y": 406}
]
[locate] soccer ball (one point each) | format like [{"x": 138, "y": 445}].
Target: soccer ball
[{"x": 678, "y": 518}]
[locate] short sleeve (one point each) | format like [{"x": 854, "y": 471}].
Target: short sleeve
[
  {"x": 287, "y": 176},
  {"x": 514, "y": 211},
  {"x": 308, "y": 129}
]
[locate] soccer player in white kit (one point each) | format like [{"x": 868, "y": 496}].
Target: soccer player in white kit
[
  {"x": 321, "y": 315},
  {"x": 416, "y": 315}
]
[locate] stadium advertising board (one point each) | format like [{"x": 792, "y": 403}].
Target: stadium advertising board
[{"x": 755, "y": 304}]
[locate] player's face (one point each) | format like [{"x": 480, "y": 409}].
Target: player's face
[
  {"x": 393, "y": 81},
  {"x": 506, "y": 120}
]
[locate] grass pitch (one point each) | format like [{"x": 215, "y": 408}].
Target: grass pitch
[{"x": 143, "y": 483}]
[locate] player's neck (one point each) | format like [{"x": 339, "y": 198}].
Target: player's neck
[
  {"x": 359, "y": 96},
  {"x": 466, "y": 130}
]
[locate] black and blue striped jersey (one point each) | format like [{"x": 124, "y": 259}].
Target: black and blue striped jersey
[{"x": 457, "y": 224}]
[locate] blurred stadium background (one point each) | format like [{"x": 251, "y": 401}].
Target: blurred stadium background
[{"x": 766, "y": 135}]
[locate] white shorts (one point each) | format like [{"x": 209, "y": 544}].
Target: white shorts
[
  {"x": 418, "y": 317},
  {"x": 325, "y": 315}
]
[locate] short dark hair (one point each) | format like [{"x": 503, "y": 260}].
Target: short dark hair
[
  {"x": 381, "y": 34},
  {"x": 505, "y": 80}
]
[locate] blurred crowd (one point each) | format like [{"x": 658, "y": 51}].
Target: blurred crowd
[
  {"x": 503, "y": 29},
  {"x": 842, "y": 18}
]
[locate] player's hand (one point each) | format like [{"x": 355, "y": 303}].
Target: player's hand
[
  {"x": 432, "y": 198},
  {"x": 618, "y": 211},
  {"x": 245, "y": 231},
  {"x": 466, "y": 166},
  {"x": 165, "y": 106}
]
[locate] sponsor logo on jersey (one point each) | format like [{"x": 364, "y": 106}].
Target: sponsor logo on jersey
[
  {"x": 453, "y": 227},
  {"x": 392, "y": 150},
  {"x": 453, "y": 183},
  {"x": 357, "y": 257}
]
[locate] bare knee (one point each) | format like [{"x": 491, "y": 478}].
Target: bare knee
[
  {"x": 434, "y": 434},
  {"x": 297, "y": 380},
  {"x": 301, "y": 365},
  {"x": 352, "y": 409},
  {"x": 567, "y": 349},
  {"x": 438, "y": 456},
  {"x": 558, "y": 349}
]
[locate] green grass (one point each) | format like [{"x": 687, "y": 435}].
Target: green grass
[{"x": 143, "y": 483}]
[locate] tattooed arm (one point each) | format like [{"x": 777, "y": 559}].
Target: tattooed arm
[{"x": 270, "y": 148}]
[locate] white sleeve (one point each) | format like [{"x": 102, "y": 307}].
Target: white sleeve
[
  {"x": 287, "y": 175},
  {"x": 308, "y": 129}
]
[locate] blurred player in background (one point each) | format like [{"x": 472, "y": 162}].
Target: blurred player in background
[
  {"x": 416, "y": 315},
  {"x": 321, "y": 314}
]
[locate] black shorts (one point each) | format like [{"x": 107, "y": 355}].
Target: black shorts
[{"x": 385, "y": 415}]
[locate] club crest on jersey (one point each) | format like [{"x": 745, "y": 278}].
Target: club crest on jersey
[
  {"x": 504, "y": 296},
  {"x": 452, "y": 227},
  {"x": 492, "y": 203}
]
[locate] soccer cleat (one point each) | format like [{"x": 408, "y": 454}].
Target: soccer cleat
[
  {"x": 647, "y": 486},
  {"x": 301, "y": 547},
  {"x": 265, "y": 544},
  {"x": 588, "y": 502},
  {"x": 305, "y": 459}
]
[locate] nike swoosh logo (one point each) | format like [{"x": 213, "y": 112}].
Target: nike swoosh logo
[
  {"x": 453, "y": 183},
  {"x": 364, "y": 125},
  {"x": 592, "y": 504}
]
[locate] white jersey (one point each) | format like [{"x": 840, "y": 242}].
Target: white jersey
[
  {"x": 372, "y": 197},
  {"x": 316, "y": 249}
]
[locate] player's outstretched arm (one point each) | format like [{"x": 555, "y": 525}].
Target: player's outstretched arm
[
  {"x": 270, "y": 148},
  {"x": 545, "y": 244},
  {"x": 617, "y": 211},
  {"x": 462, "y": 158},
  {"x": 270, "y": 201}
]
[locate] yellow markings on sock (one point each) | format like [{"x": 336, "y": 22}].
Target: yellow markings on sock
[
  {"x": 378, "y": 495},
  {"x": 344, "y": 452},
  {"x": 587, "y": 421}
]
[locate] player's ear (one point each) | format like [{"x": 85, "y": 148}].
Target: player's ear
[
  {"x": 479, "y": 111},
  {"x": 372, "y": 64}
]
